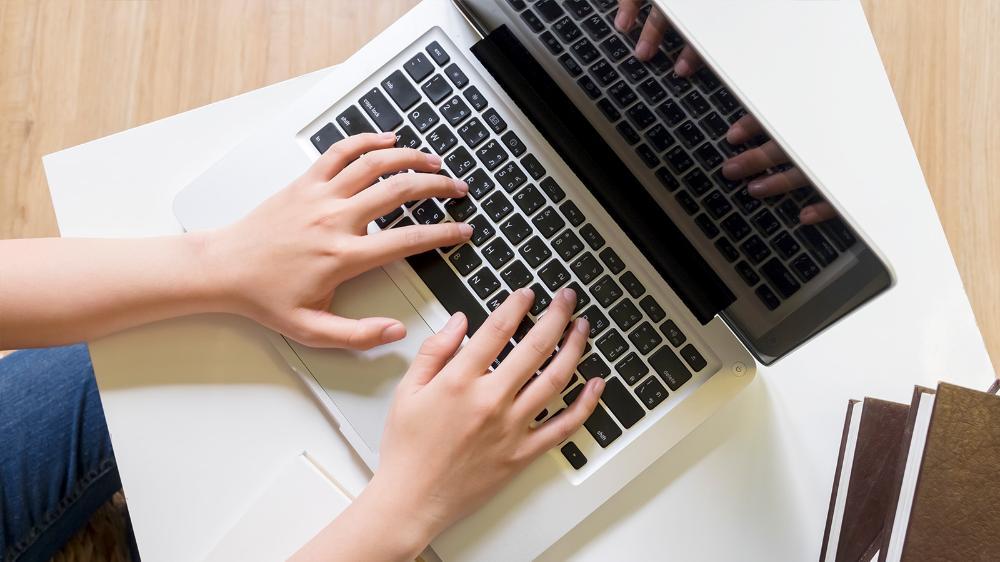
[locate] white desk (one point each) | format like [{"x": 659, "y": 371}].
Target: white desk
[{"x": 202, "y": 412}]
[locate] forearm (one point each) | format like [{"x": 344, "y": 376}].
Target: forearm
[{"x": 56, "y": 291}]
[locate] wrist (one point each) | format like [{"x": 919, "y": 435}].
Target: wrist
[
  {"x": 216, "y": 283},
  {"x": 399, "y": 519}
]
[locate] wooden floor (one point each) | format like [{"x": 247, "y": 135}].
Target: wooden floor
[{"x": 72, "y": 71}]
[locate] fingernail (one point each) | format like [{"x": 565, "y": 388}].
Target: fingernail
[
  {"x": 644, "y": 50},
  {"x": 453, "y": 322},
  {"x": 597, "y": 387},
  {"x": 755, "y": 188},
  {"x": 526, "y": 292},
  {"x": 621, "y": 21},
  {"x": 393, "y": 332},
  {"x": 682, "y": 67},
  {"x": 433, "y": 160},
  {"x": 465, "y": 229},
  {"x": 568, "y": 295},
  {"x": 582, "y": 325},
  {"x": 387, "y": 136},
  {"x": 461, "y": 187},
  {"x": 731, "y": 170}
]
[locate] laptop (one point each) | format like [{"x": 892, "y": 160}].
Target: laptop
[{"x": 587, "y": 168}]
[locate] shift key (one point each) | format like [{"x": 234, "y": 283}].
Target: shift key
[{"x": 602, "y": 427}]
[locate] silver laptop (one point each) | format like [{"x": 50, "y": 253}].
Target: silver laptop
[{"x": 587, "y": 168}]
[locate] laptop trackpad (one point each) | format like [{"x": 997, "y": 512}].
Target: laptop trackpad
[{"x": 361, "y": 383}]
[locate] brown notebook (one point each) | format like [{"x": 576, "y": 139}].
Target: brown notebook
[
  {"x": 858, "y": 505},
  {"x": 954, "y": 504}
]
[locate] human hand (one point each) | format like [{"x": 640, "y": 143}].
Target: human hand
[
  {"x": 282, "y": 263},
  {"x": 654, "y": 28}
]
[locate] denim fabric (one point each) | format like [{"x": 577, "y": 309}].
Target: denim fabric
[{"x": 56, "y": 463}]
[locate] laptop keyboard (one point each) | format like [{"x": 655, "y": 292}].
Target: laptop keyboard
[
  {"x": 526, "y": 233},
  {"x": 677, "y": 127}
]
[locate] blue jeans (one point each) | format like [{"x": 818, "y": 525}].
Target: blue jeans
[{"x": 56, "y": 463}]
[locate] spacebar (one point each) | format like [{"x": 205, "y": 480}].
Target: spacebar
[{"x": 448, "y": 288}]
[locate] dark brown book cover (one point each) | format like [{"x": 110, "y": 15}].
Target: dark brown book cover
[{"x": 956, "y": 504}]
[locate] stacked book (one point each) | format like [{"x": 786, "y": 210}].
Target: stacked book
[{"x": 918, "y": 481}]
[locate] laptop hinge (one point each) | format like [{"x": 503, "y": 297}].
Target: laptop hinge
[{"x": 604, "y": 174}]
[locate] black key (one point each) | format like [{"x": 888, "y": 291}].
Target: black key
[
  {"x": 570, "y": 65},
  {"x": 669, "y": 367},
  {"x": 715, "y": 125},
  {"x": 532, "y": 20},
  {"x": 640, "y": 116},
  {"x": 541, "y": 415},
  {"x": 542, "y": 301},
  {"x": 805, "y": 268},
  {"x": 612, "y": 345},
  {"x": 439, "y": 55},
  {"x": 400, "y": 90},
  {"x": 606, "y": 291},
  {"x": 428, "y": 212},
  {"x": 582, "y": 299},
  {"x": 465, "y": 259},
  {"x": 589, "y": 87},
  {"x": 587, "y": 268},
  {"x": 484, "y": 283},
  {"x": 695, "y": 103},
  {"x": 498, "y": 253},
  {"x": 645, "y": 338},
  {"x": 326, "y": 137},
  {"x": 566, "y": 30},
  {"x": 729, "y": 150},
  {"x": 437, "y": 88},
  {"x": 780, "y": 278},
  {"x": 386, "y": 220},
  {"x": 491, "y": 154},
  {"x": 622, "y": 94},
  {"x": 405, "y": 221},
  {"x": 652, "y": 309},
  {"x": 632, "y": 368},
  {"x": 625, "y": 314},
  {"x": 667, "y": 179},
  {"x": 522, "y": 329},
  {"x": 633, "y": 70},
  {"x": 572, "y": 395},
  {"x": 603, "y": 73},
  {"x": 725, "y": 101},
  {"x": 632, "y": 285},
  {"x": 578, "y": 8},
  {"x": 510, "y": 177},
  {"x": 455, "y": 110},
  {"x": 482, "y": 230},
  {"x": 735, "y": 227},
  {"x": 687, "y": 202},
  {"x": 353, "y": 123},
  {"x": 748, "y": 274},
  {"x": 551, "y": 43},
  {"x": 596, "y": 27},
  {"x": 659, "y": 137},
  {"x": 785, "y": 245},
  {"x": 513, "y": 143},
  {"x": 674, "y": 334},
  {"x": 767, "y": 297},
  {"x": 459, "y": 161},
  {"x": 766, "y": 223},
  {"x": 598, "y": 322},
  {"x": 746, "y": 202},
  {"x": 418, "y": 67},
  {"x": 611, "y": 259},
  {"x": 678, "y": 160},
  {"x": 817, "y": 244},
  {"x": 652, "y": 91},
  {"x": 507, "y": 349},
  {"x": 497, "y": 299},
  {"x": 706, "y": 80},
  {"x": 707, "y": 226},
  {"x": 619, "y": 400},
  {"x": 407, "y": 138},
  {"x": 529, "y": 200},
  {"x": 535, "y": 251},
  {"x": 572, "y": 213},
  {"x": 755, "y": 249},
  {"x": 708, "y": 156},
  {"x": 627, "y": 132},
  {"x": 615, "y": 48},
  {"x": 592, "y": 367},
  {"x": 533, "y": 167},
  {"x": 601, "y": 427},
  {"x": 676, "y": 84},
  {"x": 475, "y": 98},
  {"x": 448, "y": 288},
  {"x": 839, "y": 233},
  {"x": 457, "y": 77},
  {"x": 593, "y": 238},
  {"x": 516, "y": 229},
  {"x": 516, "y": 276},
  {"x": 660, "y": 62},
  {"x": 549, "y": 10},
  {"x": 690, "y": 134},
  {"x": 377, "y": 106},
  {"x": 441, "y": 139},
  {"x": 584, "y": 50},
  {"x": 567, "y": 245},
  {"x": 480, "y": 184},
  {"x": 716, "y": 204},
  {"x": 670, "y": 112},
  {"x": 788, "y": 210},
  {"x": 554, "y": 275},
  {"x": 651, "y": 393},
  {"x": 473, "y": 133},
  {"x": 423, "y": 117},
  {"x": 693, "y": 358},
  {"x": 727, "y": 249},
  {"x": 497, "y": 206},
  {"x": 494, "y": 120},
  {"x": 552, "y": 189},
  {"x": 548, "y": 222},
  {"x": 697, "y": 182},
  {"x": 460, "y": 209},
  {"x": 572, "y": 453}
]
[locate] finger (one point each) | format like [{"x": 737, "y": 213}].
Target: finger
[
  {"x": 484, "y": 346},
  {"x": 651, "y": 36},
  {"x": 754, "y": 161},
  {"x": 817, "y": 213},
  {"x": 539, "y": 344},
  {"x": 688, "y": 62},
  {"x": 436, "y": 351},
  {"x": 553, "y": 379},
  {"x": 559, "y": 428},
  {"x": 744, "y": 129},
  {"x": 366, "y": 170},
  {"x": 627, "y": 12},
  {"x": 776, "y": 184},
  {"x": 380, "y": 248},
  {"x": 318, "y": 328},
  {"x": 387, "y": 195},
  {"x": 343, "y": 152}
]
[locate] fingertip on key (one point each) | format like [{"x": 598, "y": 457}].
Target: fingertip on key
[
  {"x": 465, "y": 229},
  {"x": 568, "y": 295},
  {"x": 433, "y": 160}
]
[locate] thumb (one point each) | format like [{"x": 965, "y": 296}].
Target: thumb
[
  {"x": 318, "y": 328},
  {"x": 436, "y": 351}
]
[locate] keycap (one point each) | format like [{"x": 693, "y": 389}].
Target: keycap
[
  {"x": 693, "y": 358},
  {"x": 522, "y": 329},
  {"x": 423, "y": 117},
  {"x": 448, "y": 288},
  {"x": 651, "y": 393},
  {"x": 659, "y": 137},
  {"x": 747, "y": 273},
  {"x": 678, "y": 160},
  {"x": 633, "y": 70},
  {"x": 497, "y": 206},
  {"x": 598, "y": 321},
  {"x": 584, "y": 50},
  {"x": 651, "y": 91},
  {"x": 695, "y": 103},
  {"x": 817, "y": 244},
  {"x": 582, "y": 299},
  {"x": 754, "y": 249},
  {"x": 606, "y": 291},
  {"x": 400, "y": 90},
  {"x": 548, "y": 222},
  {"x": 602, "y": 428},
  {"x": 386, "y": 219},
  {"x": 482, "y": 230},
  {"x": 706, "y": 80},
  {"x": 551, "y": 43},
  {"x": 441, "y": 139},
  {"x": 570, "y": 65},
  {"x": 353, "y": 122},
  {"x": 428, "y": 212},
  {"x": 552, "y": 189},
  {"x": 377, "y": 106},
  {"x": 529, "y": 199},
  {"x": 805, "y": 268},
  {"x": 727, "y": 249},
  {"x": 614, "y": 48},
  {"x": 480, "y": 184},
  {"x": 645, "y": 338},
  {"x": 532, "y": 21},
  {"x": 612, "y": 345},
  {"x": 513, "y": 144},
  {"x": 627, "y": 132},
  {"x": 622, "y": 94},
  {"x": 326, "y": 137},
  {"x": 465, "y": 259},
  {"x": 592, "y": 237},
  {"x": 632, "y": 284},
  {"x": 475, "y": 98},
  {"x": 647, "y": 156},
  {"x": 516, "y": 276},
  {"x": 780, "y": 278},
  {"x": 587, "y": 268},
  {"x": 667, "y": 179},
  {"x": 572, "y": 213},
  {"x": 455, "y": 74},
  {"x": 516, "y": 229},
  {"x": 405, "y": 221},
  {"x": 497, "y": 299},
  {"x": 510, "y": 177},
  {"x": 549, "y": 10},
  {"x": 707, "y": 226},
  {"x": 708, "y": 156},
  {"x": 625, "y": 315},
  {"x": 603, "y": 73},
  {"x": 785, "y": 245},
  {"x": 455, "y": 110},
  {"x": 715, "y": 125},
  {"x": 765, "y": 223},
  {"x": 652, "y": 308},
  {"x": 473, "y": 133},
  {"x": 459, "y": 161},
  {"x": 567, "y": 245},
  {"x": 589, "y": 87},
  {"x": 725, "y": 101},
  {"x": 492, "y": 155},
  {"x": 595, "y": 27},
  {"x": 686, "y": 202},
  {"x": 632, "y": 368},
  {"x": 621, "y": 403},
  {"x": 745, "y": 202},
  {"x": 660, "y": 62},
  {"x": 673, "y": 334},
  {"x": 767, "y": 297},
  {"x": 418, "y": 67},
  {"x": 566, "y": 30},
  {"x": 788, "y": 211},
  {"x": 839, "y": 233},
  {"x": 484, "y": 283},
  {"x": 735, "y": 227},
  {"x": 535, "y": 252},
  {"x": 533, "y": 167},
  {"x": 669, "y": 368},
  {"x": 497, "y": 253},
  {"x": 460, "y": 209},
  {"x": 592, "y": 367},
  {"x": 437, "y": 88},
  {"x": 608, "y": 109},
  {"x": 542, "y": 301},
  {"x": 573, "y": 455},
  {"x": 437, "y": 53},
  {"x": 573, "y": 394},
  {"x": 554, "y": 275}
]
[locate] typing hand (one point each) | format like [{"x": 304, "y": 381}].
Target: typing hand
[
  {"x": 688, "y": 61},
  {"x": 284, "y": 261}
]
